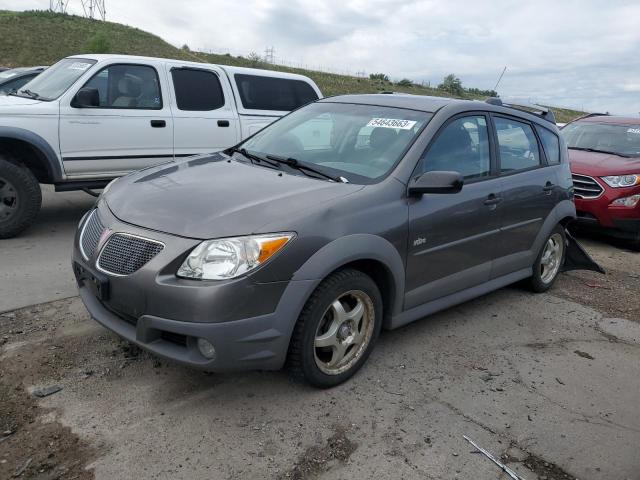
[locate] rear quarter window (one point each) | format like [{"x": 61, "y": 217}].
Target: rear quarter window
[
  {"x": 197, "y": 90},
  {"x": 550, "y": 144},
  {"x": 272, "y": 93}
]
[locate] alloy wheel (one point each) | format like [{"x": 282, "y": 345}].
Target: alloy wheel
[
  {"x": 344, "y": 332},
  {"x": 551, "y": 258}
]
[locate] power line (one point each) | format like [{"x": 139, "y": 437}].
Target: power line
[{"x": 58, "y": 6}]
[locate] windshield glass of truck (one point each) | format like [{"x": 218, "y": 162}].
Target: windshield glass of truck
[
  {"x": 55, "y": 80},
  {"x": 361, "y": 143},
  {"x": 617, "y": 139}
]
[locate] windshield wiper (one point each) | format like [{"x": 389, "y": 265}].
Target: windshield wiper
[
  {"x": 31, "y": 94},
  {"x": 253, "y": 157},
  {"x": 303, "y": 167},
  {"x": 596, "y": 150}
]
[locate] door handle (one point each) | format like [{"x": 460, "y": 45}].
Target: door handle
[
  {"x": 548, "y": 188},
  {"x": 158, "y": 123},
  {"x": 223, "y": 123},
  {"x": 492, "y": 200}
]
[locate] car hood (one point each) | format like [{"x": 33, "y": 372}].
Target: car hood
[
  {"x": 212, "y": 196},
  {"x": 13, "y": 101},
  {"x": 601, "y": 164}
]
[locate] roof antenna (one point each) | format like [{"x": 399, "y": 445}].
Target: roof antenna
[{"x": 495, "y": 89}]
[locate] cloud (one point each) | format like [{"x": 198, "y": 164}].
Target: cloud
[{"x": 575, "y": 53}]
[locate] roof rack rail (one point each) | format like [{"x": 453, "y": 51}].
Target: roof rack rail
[{"x": 543, "y": 112}]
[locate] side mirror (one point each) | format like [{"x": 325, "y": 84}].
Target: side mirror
[
  {"x": 86, "y": 98},
  {"x": 436, "y": 182}
]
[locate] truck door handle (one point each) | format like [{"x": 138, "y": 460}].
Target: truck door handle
[
  {"x": 223, "y": 123},
  {"x": 492, "y": 199},
  {"x": 548, "y": 188},
  {"x": 158, "y": 123}
]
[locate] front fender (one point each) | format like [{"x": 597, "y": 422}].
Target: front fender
[
  {"x": 52, "y": 162},
  {"x": 352, "y": 248}
]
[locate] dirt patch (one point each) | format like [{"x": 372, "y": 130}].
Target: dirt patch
[
  {"x": 33, "y": 447},
  {"x": 317, "y": 459},
  {"x": 36, "y": 357},
  {"x": 545, "y": 470}
]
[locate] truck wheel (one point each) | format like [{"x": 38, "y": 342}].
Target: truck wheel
[
  {"x": 549, "y": 261},
  {"x": 336, "y": 330},
  {"x": 20, "y": 198}
]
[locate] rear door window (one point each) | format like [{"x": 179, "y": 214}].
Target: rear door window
[
  {"x": 272, "y": 93},
  {"x": 517, "y": 145},
  {"x": 197, "y": 90},
  {"x": 551, "y": 145}
]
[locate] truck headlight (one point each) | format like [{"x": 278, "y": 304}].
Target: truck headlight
[
  {"x": 226, "y": 258},
  {"x": 618, "y": 181}
]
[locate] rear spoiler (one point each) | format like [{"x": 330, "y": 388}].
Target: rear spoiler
[{"x": 543, "y": 112}]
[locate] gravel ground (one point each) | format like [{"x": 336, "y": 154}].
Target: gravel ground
[{"x": 547, "y": 382}]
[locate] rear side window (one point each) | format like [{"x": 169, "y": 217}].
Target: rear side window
[
  {"x": 551, "y": 145},
  {"x": 271, "y": 93},
  {"x": 197, "y": 90},
  {"x": 517, "y": 145}
]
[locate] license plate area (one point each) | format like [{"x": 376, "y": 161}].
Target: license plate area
[{"x": 96, "y": 282}]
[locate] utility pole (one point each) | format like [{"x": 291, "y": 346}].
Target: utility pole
[
  {"x": 57, "y": 6},
  {"x": 94, "y": 8},
  {"x": 269, "y": 54}
]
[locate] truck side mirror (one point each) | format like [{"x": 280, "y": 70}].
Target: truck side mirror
[
  {"x": 436, "y": 182},
  {"x": 86, "y": 98}
]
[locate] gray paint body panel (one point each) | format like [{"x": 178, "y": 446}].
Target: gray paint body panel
[{"x": 464, "y": 249}]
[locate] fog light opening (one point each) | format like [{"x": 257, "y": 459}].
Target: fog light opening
[{"x": 206, "y": 348}]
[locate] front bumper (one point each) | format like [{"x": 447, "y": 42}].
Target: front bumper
[
  {"x": 249, "y": 324},
  {"x": 599, "y": 213}
]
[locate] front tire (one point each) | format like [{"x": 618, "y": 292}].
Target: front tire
[
  {"x": 549, "y": 261},
  {"x": 336, "y": 330},
  {"x": 20, "y": 198}
]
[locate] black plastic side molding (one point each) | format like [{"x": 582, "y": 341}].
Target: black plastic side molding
[{"x": 576, "y": 258}]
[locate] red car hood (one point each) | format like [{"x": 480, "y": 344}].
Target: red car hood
[{"x": 601, "y": 164}]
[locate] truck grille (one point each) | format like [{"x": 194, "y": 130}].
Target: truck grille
[
  {"x": 90, "y": 234},
  {"x": 586, "y": 187},
  {"x": 124, "y": 254}
]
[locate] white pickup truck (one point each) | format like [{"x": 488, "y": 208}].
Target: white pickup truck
[{"x": 91, "y": 118}]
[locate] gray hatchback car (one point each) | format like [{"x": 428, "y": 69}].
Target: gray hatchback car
[{"x": 349, "y": 215}]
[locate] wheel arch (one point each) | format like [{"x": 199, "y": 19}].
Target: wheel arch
[
  {"x": 372, "y": 255},
  {"x": 32, "y": 151}
]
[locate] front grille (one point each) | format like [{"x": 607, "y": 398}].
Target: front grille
[
  {"x": 124, "y": 253},
  {"x": 586, "y": 187},
  {"x": 90, "y": 235}
]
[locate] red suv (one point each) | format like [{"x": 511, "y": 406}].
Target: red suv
[{"x": 604, "y": 152}]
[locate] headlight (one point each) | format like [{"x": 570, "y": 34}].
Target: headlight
[
  {"x": 231, "y": 257},
  {"x": 617, "y": 181},
  {"x": 630, "y": 202}
]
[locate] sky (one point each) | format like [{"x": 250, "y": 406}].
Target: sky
[{"x": 582, "y": 54}]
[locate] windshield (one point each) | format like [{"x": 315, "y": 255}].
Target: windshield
[
  {"x": 361, "y": 143},
  {"x": 618, "y": 139},
  {"x": 55, "y": 80}
]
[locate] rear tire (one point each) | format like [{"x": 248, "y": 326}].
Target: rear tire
[
  {"x": 336, "y": 330},
  {"x": 20, "y": 198},
  {"x": 549, "y": 262}
]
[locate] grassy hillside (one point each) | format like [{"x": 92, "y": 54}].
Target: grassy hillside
[{"x": 42, "y": 38}]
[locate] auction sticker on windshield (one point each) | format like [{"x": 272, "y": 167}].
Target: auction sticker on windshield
[{"x": 391, "y": 123}]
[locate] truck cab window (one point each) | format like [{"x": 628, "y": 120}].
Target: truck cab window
[
  {"x": 127, "y": 86},
  {"x": 197, "y": 90}
]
